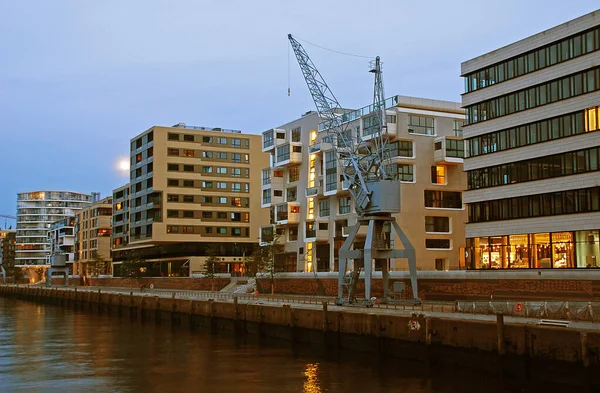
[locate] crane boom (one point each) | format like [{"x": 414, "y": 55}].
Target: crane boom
[
  {"x": 7, "y": 216},
  {"x": 331, "y": 114}
]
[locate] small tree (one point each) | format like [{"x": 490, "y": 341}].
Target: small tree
[
  {"x": 97, "y": 265},
  {"x": 130, "y": 268},
  {"x": 264, "y": 258},
  {"x": 208, "y": 270}
]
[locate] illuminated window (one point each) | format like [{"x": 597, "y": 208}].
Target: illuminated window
[
  {"x": 438, "y": 174},
  {"x": 591, "y": 119},
  {"x": 188, "y": 153},
  {"x": 295, "y": 209}
]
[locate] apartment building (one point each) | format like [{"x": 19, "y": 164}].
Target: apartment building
[
  {"x": 190, "y": 188},
  {"x": 61, "y": 236},
  {"x": 93, "y": 236},
  {"x": 8, "y": 246},
  {"x": 533, "y": 150},
  {"x": 310, "y": 206},
  {"x": 36, "y": 212}
]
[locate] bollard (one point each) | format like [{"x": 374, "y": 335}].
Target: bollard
[
  {"x": 500, "y": 333},
  {"x": 428, "y": 330},
  {"x": 325, "y": 317},
  {"x": 584, "y": 350}
]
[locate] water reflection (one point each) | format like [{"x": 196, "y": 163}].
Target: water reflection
[{"x": 311, "y": 385}]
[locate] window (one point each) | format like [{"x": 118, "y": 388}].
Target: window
[
  {"x": 443, "y": 199},
  {"x": 458, "y": 126},
  {"x": 237, "y": 202},
  {"x": 268, "y": 139},
  {"x": 344, "y": 205},
  {"x": 222, "y": 170},
  {"x": 437, "y": 243},
  {"x": 440, "y": 264},
  {"x": 437, "y": 224},
  {"x": 277, "y": 193},
  {"x": 188, "y": 229},
  {"x": 283, "y": 153},
  {"x": 188, "y": 198},
  {"x": 236, "y": 231},
  {"x": 207, "y": 169},
  {"x": 294, "y": 174},
  {"x": 236, "y": 142},
  {"x": 172, "y": 198},
  {"x": 293, "y": 233},
  {"x": 207, "y": 184},
  {"x": 188, "y": 168},
  {"x": 221, "y": 185},
  {"x": 188, "y": 153},
  {"x": 266, "y": 197},
  {"x": 236, "y": 217},
  {"x": 236, "y": 172},
  {"x": 207, "y": 214},
  {"x": 188, "y": 214},
  {"x": 296, "y": 134},
  {"x": 188, "y": 183},
  {"x": 420, "y": 125},
  {"x": 222, "y": 155},
  {"x": 310, "y": 230},
  {"x": 222, "y": 200},
  {"x": 172, "y": 229},
  {"x": 236, "y": 187},
  {"x": 401, "y": 149},
  {"x": 222, "y": 230},
  {"x": 172, "y": 213},
  {"x": 405, "y": 172},
  {"x": 207, "y": 199},
  {"x": 297, "y": 149},
  {"x": 188, "y": 138},
  {"x": 172, "y": 137},
  {"x": 207, "y": 154},
  {"x": 222, "y": 141},
  {"x": 221, "y": 215},
  {"x": 455, "y": 148},
  {"x": 324, "y": 208},
  {"x": 438, "y": 174},
  {"x": 236, "y": 157},
  {"x": 291, "y": 194},
  {"x": 330, "y": 171},
  {"x": 172, "y": 152},
  {"x": 547, "y": 92},
  {"x": 207, "y": 139},
  {"x": 172, "y": 182},
  {"x": 281, "y": 135}
]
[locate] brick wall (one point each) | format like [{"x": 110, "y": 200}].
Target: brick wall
[
  {"x": 199, "y": 284},
  {"x": 439, "y": 289}
]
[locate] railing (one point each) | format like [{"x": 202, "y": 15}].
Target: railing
[{"x": 357, "y": 114}]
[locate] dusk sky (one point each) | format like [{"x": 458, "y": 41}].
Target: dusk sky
[{"x": 79, "y": 78}]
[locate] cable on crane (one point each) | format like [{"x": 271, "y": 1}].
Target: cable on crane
[{"x": 334, "y": 51}]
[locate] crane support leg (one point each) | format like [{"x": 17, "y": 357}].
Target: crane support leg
[
  {"x": 368, "y": 259},
  {"x": 412, "y": 260},
  {"x": 345, "y": 255}
]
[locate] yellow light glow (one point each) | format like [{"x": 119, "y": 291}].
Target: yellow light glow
[{"x": 122, "y": 166}]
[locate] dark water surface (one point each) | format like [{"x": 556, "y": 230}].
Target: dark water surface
[{"x": 50, "y": 349}]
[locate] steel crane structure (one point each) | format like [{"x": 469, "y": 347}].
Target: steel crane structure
[{"x": 365, "y": 166}]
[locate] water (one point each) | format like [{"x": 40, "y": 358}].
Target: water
[{"x": 50, "y": 349}]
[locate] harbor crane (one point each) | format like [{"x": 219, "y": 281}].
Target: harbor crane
[
  {"x": 7, "y": 216},
  {"x": 365, "y": 167}
]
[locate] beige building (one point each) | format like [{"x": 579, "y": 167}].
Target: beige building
[
  {"x": 190, "y": 188},
  {"x": 92, "y": 236},
  {"x": 310, "y": 206},
  {"x": 533, "y": 150}
]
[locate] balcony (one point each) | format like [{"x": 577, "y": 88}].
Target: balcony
[
  {"x": 314, "y": 191},
  {"x": 448, "y": 150},
  {"x": 287, "y": 213},
  {"x": 288, "y": 154}
]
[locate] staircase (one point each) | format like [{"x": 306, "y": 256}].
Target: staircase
[{"x": 240, "y": 285}]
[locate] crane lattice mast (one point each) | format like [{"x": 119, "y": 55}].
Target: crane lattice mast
[{"x": 364, "y": 164}]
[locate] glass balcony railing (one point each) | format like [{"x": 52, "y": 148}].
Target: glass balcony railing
[{"x": 357, "y": 114}]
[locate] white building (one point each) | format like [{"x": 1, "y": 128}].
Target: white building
[{"x": 36, "y": 212}]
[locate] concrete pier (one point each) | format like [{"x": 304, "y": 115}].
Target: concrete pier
[{"x": 394, "y": 333}]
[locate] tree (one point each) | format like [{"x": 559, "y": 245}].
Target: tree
[
  {"x": 209, "y": 265},
  {"x": 264, "y": 258},
  {"x": 97, "y": 265},
  {"x": 130, "y": 268}
]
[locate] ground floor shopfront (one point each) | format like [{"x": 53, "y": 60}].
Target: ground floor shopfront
[{"x": 577, "y": 249}]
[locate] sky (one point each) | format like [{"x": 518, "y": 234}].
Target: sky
[{"x": 79, "y": 78}]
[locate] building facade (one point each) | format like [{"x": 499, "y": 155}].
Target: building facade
[
  {"x": 533, "y": 150},
  {"x": 93, "y": 236},
  {"x": 190, "y": 188},
  {"x": 61, "y": 236},
  {"x": 8, "y": 246},
  {"x": 311, "y": 209},
  {"x": 36, "y": 212}
]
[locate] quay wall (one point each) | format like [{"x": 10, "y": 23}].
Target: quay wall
[{"x": 559, "y": 354}]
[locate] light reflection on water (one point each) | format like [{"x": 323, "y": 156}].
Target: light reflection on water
[{"x": 50, "y": 349}]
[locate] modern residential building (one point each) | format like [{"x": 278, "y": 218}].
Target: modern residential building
[
  {"x": 533, "y": 150},
  {"x": 190, "y": 188},
  {"x": 93, "y": 236},
  {"x": 8, "y": 246},
  {"x": 311, "y": 208},
  {"x": 36, "y": 212},
  {"x": 61, "y": 236}
]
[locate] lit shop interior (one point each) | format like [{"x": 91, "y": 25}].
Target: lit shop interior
[{"x": 556, "y": 250}]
